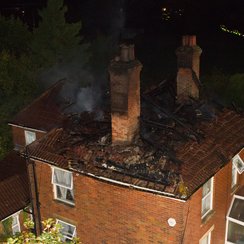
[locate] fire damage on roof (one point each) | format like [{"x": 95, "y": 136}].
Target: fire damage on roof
[
  {"x": 169, "y": 136},
  {"x": 179, "y": 146}
]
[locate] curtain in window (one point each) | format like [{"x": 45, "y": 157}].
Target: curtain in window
[{"x": 62, "y": 178}]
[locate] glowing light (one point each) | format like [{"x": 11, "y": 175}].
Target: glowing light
[
  {"x": 234, "y": 32},
  {"x": 164, "y": 9}
]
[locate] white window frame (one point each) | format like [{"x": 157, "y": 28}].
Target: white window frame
[
  {"x": 233, "y": 173},
  {"x": 55, "y": 185},
  {"x": 238, "y": 158},
  {"x": 16, "y": 226},
  {"x": 30, "y": 136},
  {"x": 208, "y": 235},
  {"x": 58, "y": 221},
  {"x": 211, "y": 197},
  {"x": 232, "y": 219}
]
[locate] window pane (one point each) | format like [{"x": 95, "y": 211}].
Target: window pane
[
  {"x": 65, "y": 194},
  {"x": 206, "y": 204},
  {"x": 237, "y": 210},
  {"x": 30, "y": 136},
  {"x": 233, "y": 179},
  {"x": 235, "y": 233},
  {"x": 67, "y": 230},
  {"x": 14, "y": 220},
  {"x": 206, "y": 188},
  {"x": 239, "y": 164},
  {"x": 205, "y": 240},
  {"x": 62, "y": 178}
]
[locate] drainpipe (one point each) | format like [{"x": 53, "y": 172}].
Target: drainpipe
[{"x": 33, "y": 193}]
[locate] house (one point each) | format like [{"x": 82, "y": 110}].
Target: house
[
  {"x": 14, "y": 194},
  {"x": 162, "y": 167},
  {"x": 30, "y": 124}
]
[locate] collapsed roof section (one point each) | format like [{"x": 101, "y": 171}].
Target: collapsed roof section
[
  {"x": 167, "y": 140},
  {"x": 178, "y": 149}
]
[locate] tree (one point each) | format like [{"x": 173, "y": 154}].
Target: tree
[
  {"x": 51, "y": 234},
  {"x": 54, "y": 40},
  {"x": 14, "y": 36}
]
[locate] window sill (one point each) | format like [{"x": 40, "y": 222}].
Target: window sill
[
  {"x": 206, "y": 218},
  {"x": 72, "y": 205}
]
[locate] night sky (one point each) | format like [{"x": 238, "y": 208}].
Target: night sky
[
  {"x": 155, "y": 25},
  {"x": 181, "y": 16}
]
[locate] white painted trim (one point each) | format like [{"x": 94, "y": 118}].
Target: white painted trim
[
  {"x": 137, "y": 187},
  {"x": 209, "y": 232},
  {"x": 232, "y": 219},
  {"x": 27, "y": 128},
  {"x": 74, "y": 233},
  {"x": 55, "y": 186},
  {"x": 162, "y": 194},
  {"x": 18, "y": 212},
  {"x": 211, "y": 197},
  {"x": 67, "y": 171}
]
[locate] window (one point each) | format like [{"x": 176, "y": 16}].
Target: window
[
  {"x": 15, "y": 223},
  {"x": 234, "y": 176},
  {"x": 68, "y": 231},
  {"x": 206, "y": 239},
  {"x": 207, "y": 197},
  {"x": 30, "y": 136},
  {"x": 235, "y": 221},
  {"x": 62, "y": 181},
  {"x": 238, "y": 163}
]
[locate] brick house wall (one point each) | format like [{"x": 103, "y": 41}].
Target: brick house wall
[
  {"x": 107, "y": 213},
  {"x": 222, "y": 196},
  {"x": 19, "y": 135}
]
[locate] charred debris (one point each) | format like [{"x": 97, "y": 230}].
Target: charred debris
[{"x": 164, "y": 126}]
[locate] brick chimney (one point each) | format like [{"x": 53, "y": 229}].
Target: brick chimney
[
  {"x": 188, "y": 62},
  {"x": 125, "y": 95}
]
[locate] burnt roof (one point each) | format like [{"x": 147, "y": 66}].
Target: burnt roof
[
  {"x": 44, "y": 113},
  {"x": 14, "y": 188},
  {"x": 179, "y": 148}
]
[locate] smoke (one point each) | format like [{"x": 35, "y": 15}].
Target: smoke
[{"x": 81, "y": 90}]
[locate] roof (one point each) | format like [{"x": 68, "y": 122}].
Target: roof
[
  {"x": 179, "y": 148},
  {"x": 44, "y": 113},
  {"x": 14, "y": 188}
]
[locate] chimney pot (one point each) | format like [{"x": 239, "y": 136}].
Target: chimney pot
[
  {"x": 132, "y": 52},
  {"x": 189, "y": 40},
  {"x": 124, "y": 53}
]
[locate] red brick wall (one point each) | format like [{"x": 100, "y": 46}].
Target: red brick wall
[
  {"x": 222, "y": 197},
  {"x": 112, "y": 214},
  {"x": 19, "y": 135},
  {"x": 105, "y": 213}
]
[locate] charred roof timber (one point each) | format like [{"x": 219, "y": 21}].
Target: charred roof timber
[{"x": 156, "y": 144}]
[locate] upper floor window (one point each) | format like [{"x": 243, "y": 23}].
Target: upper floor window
[
  {"x": 233, "y": 176},
  {"x": 68, "y": 231},
  {"x": 207, "y": 197},
  {"x": 30, "y": 136},
  {"x": 235, "y": 220},
  {"x": 239, "y": 164},
  {"x": 62, "y": 181}
]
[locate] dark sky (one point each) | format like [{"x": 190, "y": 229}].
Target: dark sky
[{"x": 104, "y": 15}]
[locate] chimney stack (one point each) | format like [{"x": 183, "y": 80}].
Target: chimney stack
[
  {"x": 188, "y": 62},
  {"x": 125, "y": 95}
]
